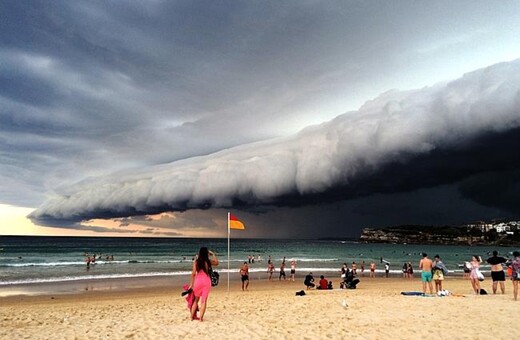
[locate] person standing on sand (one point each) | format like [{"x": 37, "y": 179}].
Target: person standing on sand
[
  {"x": 515, "y": 277},
  {"x": 362, "y": 268},
  {"x": 439, "y": 270},
  {"x": 473, "y": 275},
  {"x": 410, "y": 270},
  {"x": 244, "y": 275},
  {"x": 387, "y": 269},
  {"x": 270, "y": 270},
  {"x": 372, "y": 269},
  {"x": 293, "y": 269},
  {"x": 282, "y": 270},
  {"x": 201, "y": 282},
  {"x": 426, "y": 275},
  {"x": 497, "y": 272}
]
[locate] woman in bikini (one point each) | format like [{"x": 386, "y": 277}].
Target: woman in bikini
[{"x": 201, "y": 282}]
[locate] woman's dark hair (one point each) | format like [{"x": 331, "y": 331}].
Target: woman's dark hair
[
  {"x": 516, "y": 253},
  {"x": 203, "y": 260}
]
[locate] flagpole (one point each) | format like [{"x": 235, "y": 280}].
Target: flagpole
[{"x": 228, "y": 235}]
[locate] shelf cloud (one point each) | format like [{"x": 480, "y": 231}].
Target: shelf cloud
[{"x": 400, "y": 141}]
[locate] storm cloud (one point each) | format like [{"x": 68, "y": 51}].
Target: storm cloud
[
  {"x": 399, "y": 141},
  {"x": 116, "y": 109}
]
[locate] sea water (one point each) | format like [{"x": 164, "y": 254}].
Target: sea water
[{"x": 25, "y": 260}]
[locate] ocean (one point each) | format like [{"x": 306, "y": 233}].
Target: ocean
[{"x": 33, "y": 260}]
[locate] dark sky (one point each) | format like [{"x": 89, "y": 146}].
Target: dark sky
[{"x": 306, "y": 117}]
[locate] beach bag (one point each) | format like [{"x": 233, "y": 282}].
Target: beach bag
[
  {"x": 514, "y": 274},
  {"x": 214, "y": 276},
  {"x": 480, "y": 276}
]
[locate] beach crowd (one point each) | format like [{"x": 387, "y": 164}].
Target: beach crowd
[{"x": 432, "y": 272}]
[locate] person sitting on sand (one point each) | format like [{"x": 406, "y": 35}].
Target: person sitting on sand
[
  {"x": 426, "y": 276},
  {"x": 309, "y": 281},
  {"x": 324, "y": 283}
]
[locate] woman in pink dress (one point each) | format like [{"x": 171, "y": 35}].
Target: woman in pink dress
[{"x": 200, "y": 281}]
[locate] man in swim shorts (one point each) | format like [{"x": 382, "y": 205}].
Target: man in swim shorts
[
  {"x": 244, "y": 274},
  {"x": 426, "y": 276},
  {"x": 282, "y": 270},
  {"x": 372, "y": 269},
  {"x": 293, "y": 269},
  {"x": 497, "y": 272}
]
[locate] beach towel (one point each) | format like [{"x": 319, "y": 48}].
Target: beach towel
[
  {"x": 441, "y": 266},
  {"x": 413, "y": 293},
  {"x": 190, "y": 298}
]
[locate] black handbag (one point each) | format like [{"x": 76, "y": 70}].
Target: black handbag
[{"x": 214, "y": 276}]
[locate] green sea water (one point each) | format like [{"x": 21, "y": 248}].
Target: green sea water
[{"x": 60, "y": 259}]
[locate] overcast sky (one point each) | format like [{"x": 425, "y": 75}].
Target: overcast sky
[{"x": 314, "y": 117}]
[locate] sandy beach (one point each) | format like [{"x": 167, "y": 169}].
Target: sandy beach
[{"x": 376, "y": 310}]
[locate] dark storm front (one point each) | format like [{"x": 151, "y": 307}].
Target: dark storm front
[{"x": 56, "y": 259}]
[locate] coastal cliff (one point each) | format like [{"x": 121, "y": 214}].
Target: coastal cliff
[{"x": 437, "y": 235}]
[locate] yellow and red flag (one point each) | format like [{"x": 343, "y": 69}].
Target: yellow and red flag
[{"x": 234, "y": 223}]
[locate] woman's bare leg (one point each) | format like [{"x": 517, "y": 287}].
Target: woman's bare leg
[
  {"x": 203, "y": 308},
  {"x": 194, "y": 307}
]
